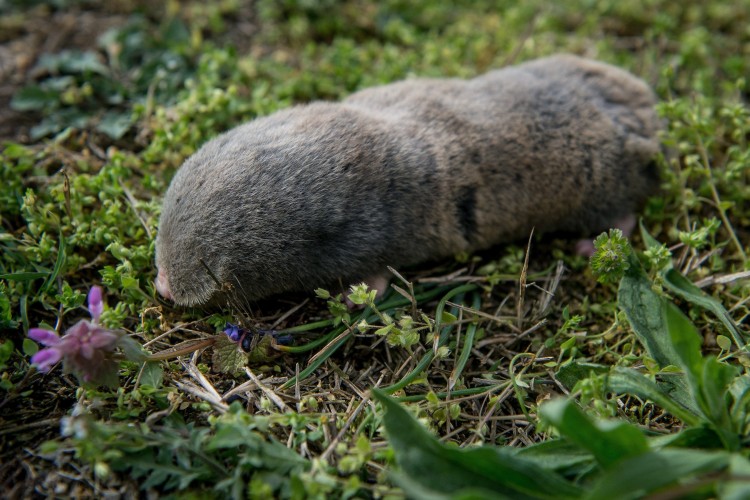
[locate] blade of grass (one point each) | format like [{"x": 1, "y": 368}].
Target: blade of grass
[
  {"x": 467, "y": 347},
  {"x": 441, "y": 340},
  {"x": 320, "y": 358},
  {"x": 59, "y": 263}
]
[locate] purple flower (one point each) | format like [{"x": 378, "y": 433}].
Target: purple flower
[
  {"x": 96, "y": 306},
  {"x": 233, "y": 332},
  {"x": 87, "y": 349}
]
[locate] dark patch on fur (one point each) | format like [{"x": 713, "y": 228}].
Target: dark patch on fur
[
  {"x": 588, "y": 166},
  {"x": 466, "y": 204},
  {"x": 476, "y": 157}
]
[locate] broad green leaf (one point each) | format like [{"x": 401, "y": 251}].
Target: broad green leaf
[
  {"x": 684, "y": 288},
  {"x": 131, "y": 348},
  {"x": 559, "y": 455},
  {"x": 152, "y": 374},
  {"x": 715, "y": 385},
  {"x": 643, "y": 307},
  {"x": 73, "y": 61},
  {"x": 717, "y": 379},
  {"x": 115, "y": 124},
  {"x": 738, "y": 485},
  {"x": 629, "y": 381},
  {"x": 693, "y": 437},
  {"x": 609, "y": 441},
  {"x": 740, "y": 391},
  {"x": 34, "y": 98},
  {"x": 686, "y": 341},
  {"x": 638, "y": 476},
  {"x": 709, "y": 379},
  {"x": 423, "y": 490},
  {"x": 227, "y": 357},
  {"x": 438, "y": 467}
]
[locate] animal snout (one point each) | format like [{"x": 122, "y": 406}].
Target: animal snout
[{"x": 162, "y": 285}]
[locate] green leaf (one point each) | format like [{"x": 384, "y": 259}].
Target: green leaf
[
  {"x": 709, "y": 378},
  {"x": 385, "y": 330},
  {"x": 686, "y": 341},
  {"x": 628, "y": 381},
  {"x": 131, "y": 348},
  {"x": 447, "y": 317},
  {"x": 609, "y": 441},
  {"x": 28, "y": 276},
  {"x": 73, "y": 61},
  {"x": 649, "y": 240},
  {"x": 715, "y": 385},
  {"x": 568, "y": 344},
  {"x": 115, "y": 124},
  {"x": 643, "y": 308},
  {"x": 557, "y": 455},
  {"x": 437, "y": 467},
  {"x": 34, "y": 98},
  {"x": 740, "y": 391},
  {"x": 684, "y": 288},
  {"x": 29, "y": 347},
  {"x": 645, "y": 473},
  {"x": 738, "y": 486},
  {"x": 6, "y": 349},
  {"x": 419, "y": 490},
  {"x": 724, "y": 342},
  {"x": 152, "y": 374},
  {"x": 694, "y": 437},
  {"x": 227, "y": 357}
]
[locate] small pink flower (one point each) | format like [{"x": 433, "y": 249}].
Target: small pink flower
[
  {"x": 96, "y": 306},
  {"x": 86, "y": 349}
]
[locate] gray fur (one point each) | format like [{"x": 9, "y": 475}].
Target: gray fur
[{"x": 406, "y": 173}]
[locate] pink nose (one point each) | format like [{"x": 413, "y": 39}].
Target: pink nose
[{"x": 162, "y": 285}]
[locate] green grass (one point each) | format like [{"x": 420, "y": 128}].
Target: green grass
[{"x": 474, "y": 357}]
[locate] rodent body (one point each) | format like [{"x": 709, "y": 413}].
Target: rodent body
[{"x": 406, "y": 173}]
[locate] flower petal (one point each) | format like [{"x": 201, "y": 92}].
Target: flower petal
[
  {"x": 96, "y": 306},
  {"x": 46, "y": 358},
  {"x": 103, "y": 339},
  {"x": 80, "y": 329},
  {"x": 44, "y": 337},
  {"x": 86, "y": 350},
  {"x": 233, "y": 332}
]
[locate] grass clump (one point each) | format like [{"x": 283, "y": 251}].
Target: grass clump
[{"x": 512, "y": 359}]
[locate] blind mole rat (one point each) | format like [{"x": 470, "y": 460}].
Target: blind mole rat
[{"x": 406, "y": 173}]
